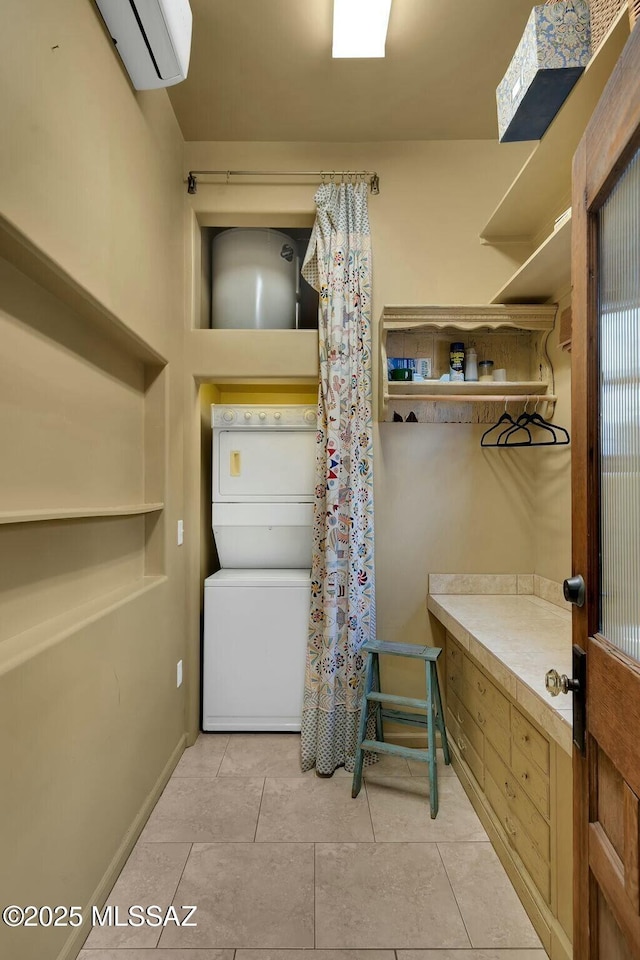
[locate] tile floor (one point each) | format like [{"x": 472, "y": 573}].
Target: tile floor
[{"x": 286, "y": 866}]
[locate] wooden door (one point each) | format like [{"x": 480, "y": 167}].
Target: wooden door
[{"x": 606, "y": 517}]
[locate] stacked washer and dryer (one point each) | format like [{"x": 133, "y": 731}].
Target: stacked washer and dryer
[{"x": 256, "y": 608}]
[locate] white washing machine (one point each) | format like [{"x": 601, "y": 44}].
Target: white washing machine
[{"x": 256, "y": 608}]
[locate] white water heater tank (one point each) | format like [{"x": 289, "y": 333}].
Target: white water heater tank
[{"x": 255, "y": 276}]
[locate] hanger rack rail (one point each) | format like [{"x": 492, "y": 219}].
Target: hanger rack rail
[{"x": 323, "y": 175}]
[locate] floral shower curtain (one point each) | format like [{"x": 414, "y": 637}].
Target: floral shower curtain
[{"x": 342, "y": 618}]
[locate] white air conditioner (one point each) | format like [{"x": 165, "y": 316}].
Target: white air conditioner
[{"x": 153, "y": 38}]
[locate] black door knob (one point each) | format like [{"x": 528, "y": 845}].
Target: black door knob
[{"x": 573, "y": 589}]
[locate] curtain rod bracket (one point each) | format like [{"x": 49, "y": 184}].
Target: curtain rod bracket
[
  {"x": 192, "y": 183},
  {"x": 375, "y": 184}
]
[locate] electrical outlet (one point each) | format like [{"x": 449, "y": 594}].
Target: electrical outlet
[
  {"x": 179, "y": 674},
  {"x": 180, "y": 532}
]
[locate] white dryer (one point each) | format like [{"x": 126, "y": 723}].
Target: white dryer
[
  {"x": 257, "y": 606},
  {"x": 263, "y": 480}
]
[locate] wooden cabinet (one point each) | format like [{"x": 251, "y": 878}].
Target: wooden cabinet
[
  {"x": 513, "y": 337},
  {"x": 519, "y": 781}
]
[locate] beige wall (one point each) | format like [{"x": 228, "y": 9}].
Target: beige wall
[
  {"x": 90, "y": 717},
  {"x": 442, "y": 503},
  {"x": 552, "y": 520}
]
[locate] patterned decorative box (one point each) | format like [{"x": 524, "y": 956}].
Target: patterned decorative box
[{"x": 553, "y": 52}]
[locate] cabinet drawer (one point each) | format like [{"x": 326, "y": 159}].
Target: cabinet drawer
[
  {"x": 518, "y": 802},
  {"x": 467, "y": 724},
  {"x": 467, "y": 751},
  {"x": 455, "y": 657},
  {"x": 493, "y": 729},
  {"x": 485, "y": 693},
  {"x": 529, "y": 741},
  {"x": 529, "y": 777},
  {"x": 519, "y": 839}
]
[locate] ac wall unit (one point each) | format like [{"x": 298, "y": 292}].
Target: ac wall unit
[{"x": 153, "y": 38}]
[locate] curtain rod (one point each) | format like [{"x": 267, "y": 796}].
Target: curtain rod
[{"x": 374, "y": 180}]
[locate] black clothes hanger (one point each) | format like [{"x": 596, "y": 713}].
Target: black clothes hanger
[
  {"x": 504, "y": 419},
  {"x": 553, "y": 428},
  {"x": 519, "y": 424}
]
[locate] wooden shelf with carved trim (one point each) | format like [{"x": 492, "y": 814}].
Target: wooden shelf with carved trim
[{"x": 513, "y": 336}]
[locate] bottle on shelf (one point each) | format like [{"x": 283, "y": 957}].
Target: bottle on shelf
[
  {"x": 471, "y": 363},
  {"x": 456, "y": 361}
]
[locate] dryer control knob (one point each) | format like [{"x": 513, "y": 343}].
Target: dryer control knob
[
  {"x": 277, "y": 415},
  {"x": 247, "y": 415},
  {"x": 262, "y": 415},
  {"x": 228, "y": 416},
  {"x": 310, "y": 416}
]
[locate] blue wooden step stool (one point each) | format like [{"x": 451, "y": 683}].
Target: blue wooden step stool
[{"x": 428, "y": 713}]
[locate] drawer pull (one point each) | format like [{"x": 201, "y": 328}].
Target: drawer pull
[
  {"x": 461, "y": 745},
  {"x": 481, "y": 720},
  {"x": 509, "y": 790},
  {"x": 481, "y": 689},
  {"x": 524, "y": 776},
  {"x": 511, "y": 827},
  {"x": 459, "y": 719}
]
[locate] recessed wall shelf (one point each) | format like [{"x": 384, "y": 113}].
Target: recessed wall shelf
[
  {"x": 16, "y": 248},
  {"x": 23, "y": 646},
  {"x": 513, "y": 336},
  {"x": 542, "y": 189},
  {"x": 252, "y": 355},
  {"x": 79, "y": 513},
  {"x": 85, "y": 444}
]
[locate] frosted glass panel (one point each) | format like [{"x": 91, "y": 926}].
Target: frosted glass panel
[{"x": 620, "y": 412}]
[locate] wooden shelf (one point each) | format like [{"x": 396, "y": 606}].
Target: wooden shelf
[
  {"x": 467, "y": 390},
  {"x": 542, "y": 189},
  {"x": 80, "y": 513},
  {"x": 545, "y": 275},
  {"x": 23, "y": 646},
  {"x": 514, "y": 336}
]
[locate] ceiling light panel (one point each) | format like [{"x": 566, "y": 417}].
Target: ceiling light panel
[{"x": 360, "y": 27}]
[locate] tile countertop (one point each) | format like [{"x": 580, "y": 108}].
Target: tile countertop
[{"x": 516, "y": 638}]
